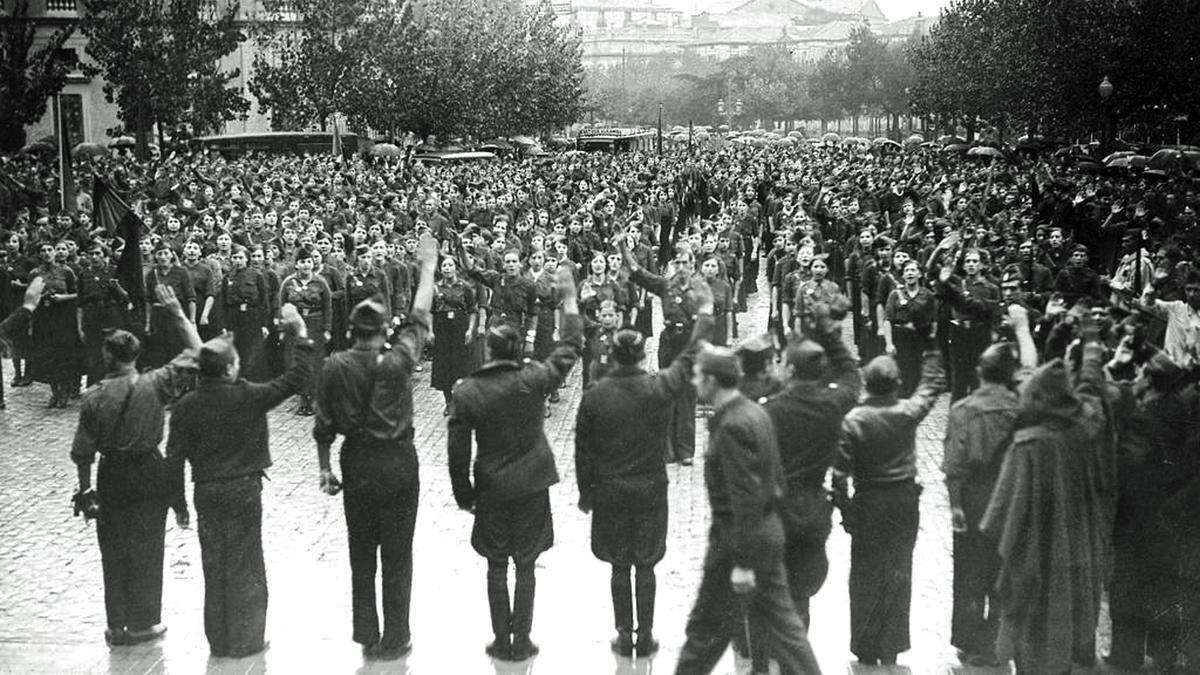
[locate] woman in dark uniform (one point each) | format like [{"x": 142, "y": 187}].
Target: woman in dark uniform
[
  {"x": 247, "y": 311},
  {"x": 454, "y": 321},
  {"x": 911, "y": 311},
  {"x": 17, "y": 265},
  {"x": 310, "y": 294},
  {"x": 54, "y": 354},
  {"x": 272, "y": 354},
  {"x": 710, "y": 271},
  {"x": 164, "y": 340},
  {"x": 547, "y": 302},
  {"x": 103, "y": 304}
]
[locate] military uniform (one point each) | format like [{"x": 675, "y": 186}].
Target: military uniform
[
  {"x": 247, "y": 312},
  {"x": 502, "y": 405},
  {"x": 679, "y": 317},
  {"x": 366, "y": 397},
  {"x": 974, "y": 306}
]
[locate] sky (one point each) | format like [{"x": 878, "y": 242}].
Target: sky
[{"x": 894, "y": 9}]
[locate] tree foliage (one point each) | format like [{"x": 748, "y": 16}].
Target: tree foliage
[
  {"x": 439, "y": 67},
  {"x": 30, "y": 73},
  {"x": 160, "y": 60},
  {"x": 1017, "y": 63}
]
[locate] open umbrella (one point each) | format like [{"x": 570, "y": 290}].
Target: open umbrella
[
  {"x": 956, "y": 147},
  {"x": 831, "y": 137},
  {"x": 723, "y": 127},
  {"x": 1166, "y": 159},
  {"x": 87, "y": 150},
  {"x": 522, "y": 140},
  {"x": 38, "y": 148},
  {"x": 1089, "y": 166},
  {"x": 678, "y": 128},
  {"x": 950, "y": 139},
  {"x": 496, "y": 144},
  {"x": 984, "y": 151},
  {"x": 886, "y": 144},
  {"x": 702, "y": 135},
  {"x": 1119, "y": 154},
  {"x": 122, "y": 142},
  {"x": 385, "y": 150},
  {"x": 795, "y": 133},
  {"x": 915, "y": 139}
]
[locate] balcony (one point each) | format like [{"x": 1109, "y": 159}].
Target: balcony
[{"x": 62, "y": 7}]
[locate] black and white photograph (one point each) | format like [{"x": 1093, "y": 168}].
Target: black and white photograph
[{"x": 580, "y": 337}]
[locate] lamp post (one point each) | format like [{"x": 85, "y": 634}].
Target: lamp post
[
  {"x": 1105, "y": 90},
  {"x": 729, "y": 112},
  {"x": 660, "y": 128}
]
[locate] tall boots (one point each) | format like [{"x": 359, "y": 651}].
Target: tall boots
[
  {"x": 511, "y": 624},
  {"x": 622, "y": 597}
]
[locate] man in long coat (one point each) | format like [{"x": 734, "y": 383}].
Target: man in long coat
[
  {"x": 1051, "y": 514},
  {"x": 502, "y": 403}
]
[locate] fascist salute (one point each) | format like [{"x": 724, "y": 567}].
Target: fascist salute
[{"x": 501, "y": 404}]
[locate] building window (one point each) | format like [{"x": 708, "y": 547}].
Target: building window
[{"x": 60, "y": 6}]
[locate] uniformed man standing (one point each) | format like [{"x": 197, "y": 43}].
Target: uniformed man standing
[
  {"x": 121, "y": 419},
  {"x": 744, "y": 562},
  {"x": 620, "y": 439},
  {"x": 502, "y": 403},
  {"x": 514, "y": 295},
  {"x": 365, "y": 395},
  {"x": 679, "y": 316},
  {"x": 974, "y": 303},
  {"x": 823, "y": 384},
  {"x": 221, "y": 429}
]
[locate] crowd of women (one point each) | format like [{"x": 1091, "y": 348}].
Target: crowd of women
[{"x": 925, "y": 250}]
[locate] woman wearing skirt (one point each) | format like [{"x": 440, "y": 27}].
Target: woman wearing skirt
[{"x": 454, "y": 323}]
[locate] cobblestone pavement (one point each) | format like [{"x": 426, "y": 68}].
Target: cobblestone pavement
[{"x": 51, "y": 602}]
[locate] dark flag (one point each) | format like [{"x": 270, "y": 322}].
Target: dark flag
[
  {"x": 66, "y": 178},
  {"x": 114, "y": 215}
]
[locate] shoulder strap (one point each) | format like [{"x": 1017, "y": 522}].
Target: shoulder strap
[{"x": 116, "y": 427}]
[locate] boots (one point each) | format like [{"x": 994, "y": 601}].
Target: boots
[
  {"x": 647, "y": 588},
  {"x": 522, "y": 613},
  {"x": 501, "y": 614},
  {"x": 305, "y": 409},
  {"x": 622, "y": 599}
]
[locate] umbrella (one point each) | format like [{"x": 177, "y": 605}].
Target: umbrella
[
  {"x": 887, "y": 143},
  {"x": 723, "y": 127},
  {"x": 785, "y": 141},
  {"x": 1165, "y": 159},
  {"x": 37, "y": 148},
  {"x": 795, "y": 133},
  {"x": 956, "y": 147},
  {"x": 984, "y": 151},
  {"x": 679, "y": 128},
  {"x": 122, "y": 142},
  {"x": 701, "y": 135},
  {"x": 852, "y": 140},
  {"x": 831, "y": 137},
  {"x": 949, "y": 139},
  {"x": 915, "y": 139},
  {"x": 86, "y": 150},
  {"x": 498, "y": 143},
  {"x": 522, "y": 140},
  {"x": 1089, "y": 165},
  {"x": 1119, "y": 154},
  {"x": 386, "y": 150}
]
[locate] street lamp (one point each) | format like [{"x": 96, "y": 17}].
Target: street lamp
[{"x": 1105, "y": 90}]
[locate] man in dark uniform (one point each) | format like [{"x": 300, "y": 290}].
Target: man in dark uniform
[
  {"x": 122, "y": 419},
  {"x": 823, "y": 385},
  {"x": 378, "y": 458},
  {"x": 221, "y": 429},
  {"x": 679, "y": 316},
  {"x": 974, "y": 303},
  {"x": 744, "y": 562},
  {"x": 620, "y": 439},
  {"x": 502, "y": 403}
]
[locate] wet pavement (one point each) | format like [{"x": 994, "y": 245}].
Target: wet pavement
[{"x": 51, "y": 600}]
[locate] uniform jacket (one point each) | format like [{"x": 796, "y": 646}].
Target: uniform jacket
[
  {"x": 978, "y": 434},
  {"x": 221, "y": 427},
  {"x": 744, "y": 477},
  {"x": 621, "y": 428},
  {"x": 503, "y": 403},
  {"x": 878, "y": 442}
]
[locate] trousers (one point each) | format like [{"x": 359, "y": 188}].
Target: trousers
[
  {"x": 131, "y": 556},
  {"x": 681, "y": 429},
  {"x": 229, "y": 522},
  {"x": 975, "y": 617},
  {"x": 382, "y": 485},
  {"x": 766, "y": 614}
]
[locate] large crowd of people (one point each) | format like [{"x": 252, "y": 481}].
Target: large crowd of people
[{"x": 1060, "y": 309}]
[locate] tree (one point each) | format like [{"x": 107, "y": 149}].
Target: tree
[
  {"x": 30, "y": 73},
  {"x": 160, "y": 60}
]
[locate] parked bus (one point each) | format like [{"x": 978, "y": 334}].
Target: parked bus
[
  {"x": 617, "y": 140},
  {"x": 277, "y": 143}
]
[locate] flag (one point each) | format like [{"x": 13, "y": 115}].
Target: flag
[
  {"x": 66, "y": 178},
  {"x": 114, "y": 215},
  {"x": 337, "y": 139}
]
